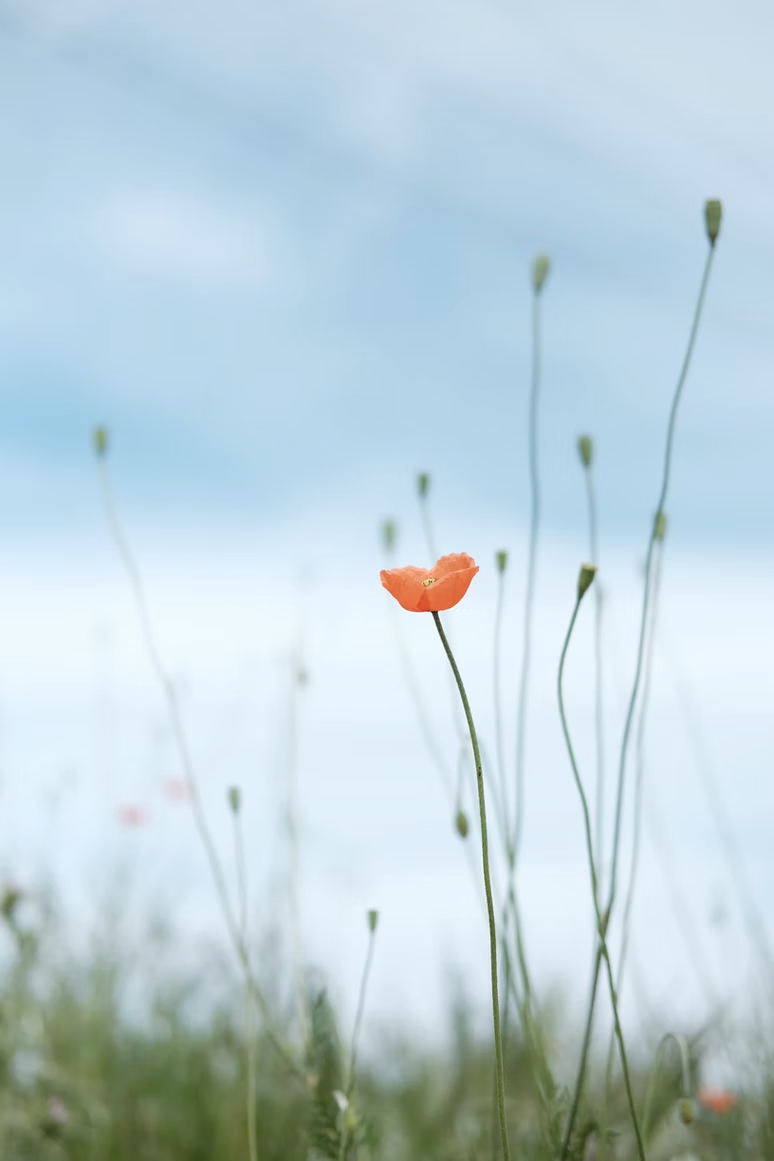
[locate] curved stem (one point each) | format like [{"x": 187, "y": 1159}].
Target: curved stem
[
  {"x": 173, "y": 709},
  {"x": 498, "y": 701},
  {"x": 599, "y": 717},
  {"x": 601, "y": 920},
  {"x": 518, "y": 820},
  {"x": 360, "y": 1010},
  {"x": 646, "y": 590},
  {"x": 487, "y": 890},
  {"x": 685, "y": 1069},
  {"x": 239, "y": 849},
  {"x": 638, "y": 787},
  {"x": 356, "y": 1035},
  {"x": 583, "y": 1058}
]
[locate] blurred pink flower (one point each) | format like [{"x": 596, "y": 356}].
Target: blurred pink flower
[
  {"x": 178, "y": 790},
  {"x": 132, "y": 816}
]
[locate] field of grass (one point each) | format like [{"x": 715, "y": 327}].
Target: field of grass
[{"x": 103, "y": 1057}]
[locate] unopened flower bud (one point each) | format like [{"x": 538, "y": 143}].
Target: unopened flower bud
[
  {"x": 540, "y": 268},
  {"x": 660, "y": 525},
  {"x": 423, "y": 483},
  {"x": 502, "y": 559},
  {"x": 585, "y": 578},
  {"x": 713, "y": 212},
  {"x": 234, "y": 798},
  {"x": 100, "y": 440},
  {"x": 687, "y": 1111},
  {"x": 461, "y": 822},
  {"x": 586, "y": 449},
  {"x": 388, "y": 534},
  {"x": 373, "y": 919}
]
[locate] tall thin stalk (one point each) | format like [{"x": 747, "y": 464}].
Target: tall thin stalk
[
  {"x": 539, "y": 275},
  {"x": 586, "y": 452},
  {"x": 712, "y": 218},
  {"x": 584, "y": 581},
  {"x": 639, "y": 779},
  {"x": 487, "y": 890},
  {"x": 234, "y": 797},
  {"x": 181, "y": 742},
  {"x": 373, "y": 920}
]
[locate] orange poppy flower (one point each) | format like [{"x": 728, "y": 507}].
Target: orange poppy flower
[
  {"x": 421, "y": 590},
  {"x": 717, "y": 1100}
]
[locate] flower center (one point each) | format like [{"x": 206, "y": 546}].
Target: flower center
[{"x": 428, "y": 581}]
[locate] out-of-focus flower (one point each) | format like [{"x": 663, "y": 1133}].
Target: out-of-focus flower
[
  {"x": 421, "y": 590},
  {"x": 132, "y": 816},
  {"x": 178, "y": 789},
  {"x": 717, "y": 1100}
]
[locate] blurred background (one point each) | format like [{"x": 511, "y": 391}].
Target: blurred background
[{"x": 283, "y": 253}]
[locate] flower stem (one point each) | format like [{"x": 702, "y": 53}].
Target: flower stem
[
  {"x": 487, "y": 889},
  {"x": 239, "y": 849},
  {"x": 646, "y": 596},
  {"x": 598, "y": 686},
  {"x": 518, "y": 820},
  {"x": 601, "y": 920},
  {"x": 186, "y": 761},
  {"x": 350, "y": 1083}
]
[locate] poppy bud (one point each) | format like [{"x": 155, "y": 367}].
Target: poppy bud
[
  {"x": 585, "y": 578},
  {"x": 388, "y": 534},
  {"x": 585, "y": 450},
  {"x": 100, "y": 440},
  {"x": 461, "y": 822},
  {"x": 660, "y": 525},
  {"x": 540, "y": 268},
  {"x": 502, "y": 559},
  {"x": 713, "y": 212},
  {"x": 423, "y": 484},
  {"x": 373, "y": 919},
  {"x": 234, "y": 798},
  {"x": 687, "y": 1111}
]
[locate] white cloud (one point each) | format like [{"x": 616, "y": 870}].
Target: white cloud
[{"x": 166, "y": 234}]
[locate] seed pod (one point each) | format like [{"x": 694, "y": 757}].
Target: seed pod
[
  {"x": 502, "y": 560},
  {"x": 100, "y": 441},
  {"x": 713, "y": 213},
  {"x": 585, "y": 578},
  {"x": 586, "y": 449},
  {"x": 540, "y": 268},
  {"x": 461, "y": 822},
  {"x": 373, "y": 919},
  {"x": 234, "y": 798},
  {"x": 423, "y": 484}
]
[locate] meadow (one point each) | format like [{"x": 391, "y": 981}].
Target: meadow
[{"x": 127, "y": 1047}]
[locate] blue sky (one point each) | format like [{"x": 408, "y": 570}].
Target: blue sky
[
  {"x": 285, "y": 252},
  {"x": 285, "y": 257}
]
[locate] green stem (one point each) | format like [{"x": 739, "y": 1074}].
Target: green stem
[
  {"x": 181, "y": 741},
  {"x": 497, "y": 685},
  {"x": 356, "y": 1036},
  {"x": 646, "y": 588},
  {"x": 601, "y": 920},
  {"x": 584, "y": 1057},
  {"x": 638, "y": 790},
  {"x": 599, "y": 716},
  {"x": 239, "y": 849},
  {"x": 685, "y": 1069},
  {"x": 648, "y": 562},
  {"x": 487, "y": 890},
  {"x": 518, "y": 821}
]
